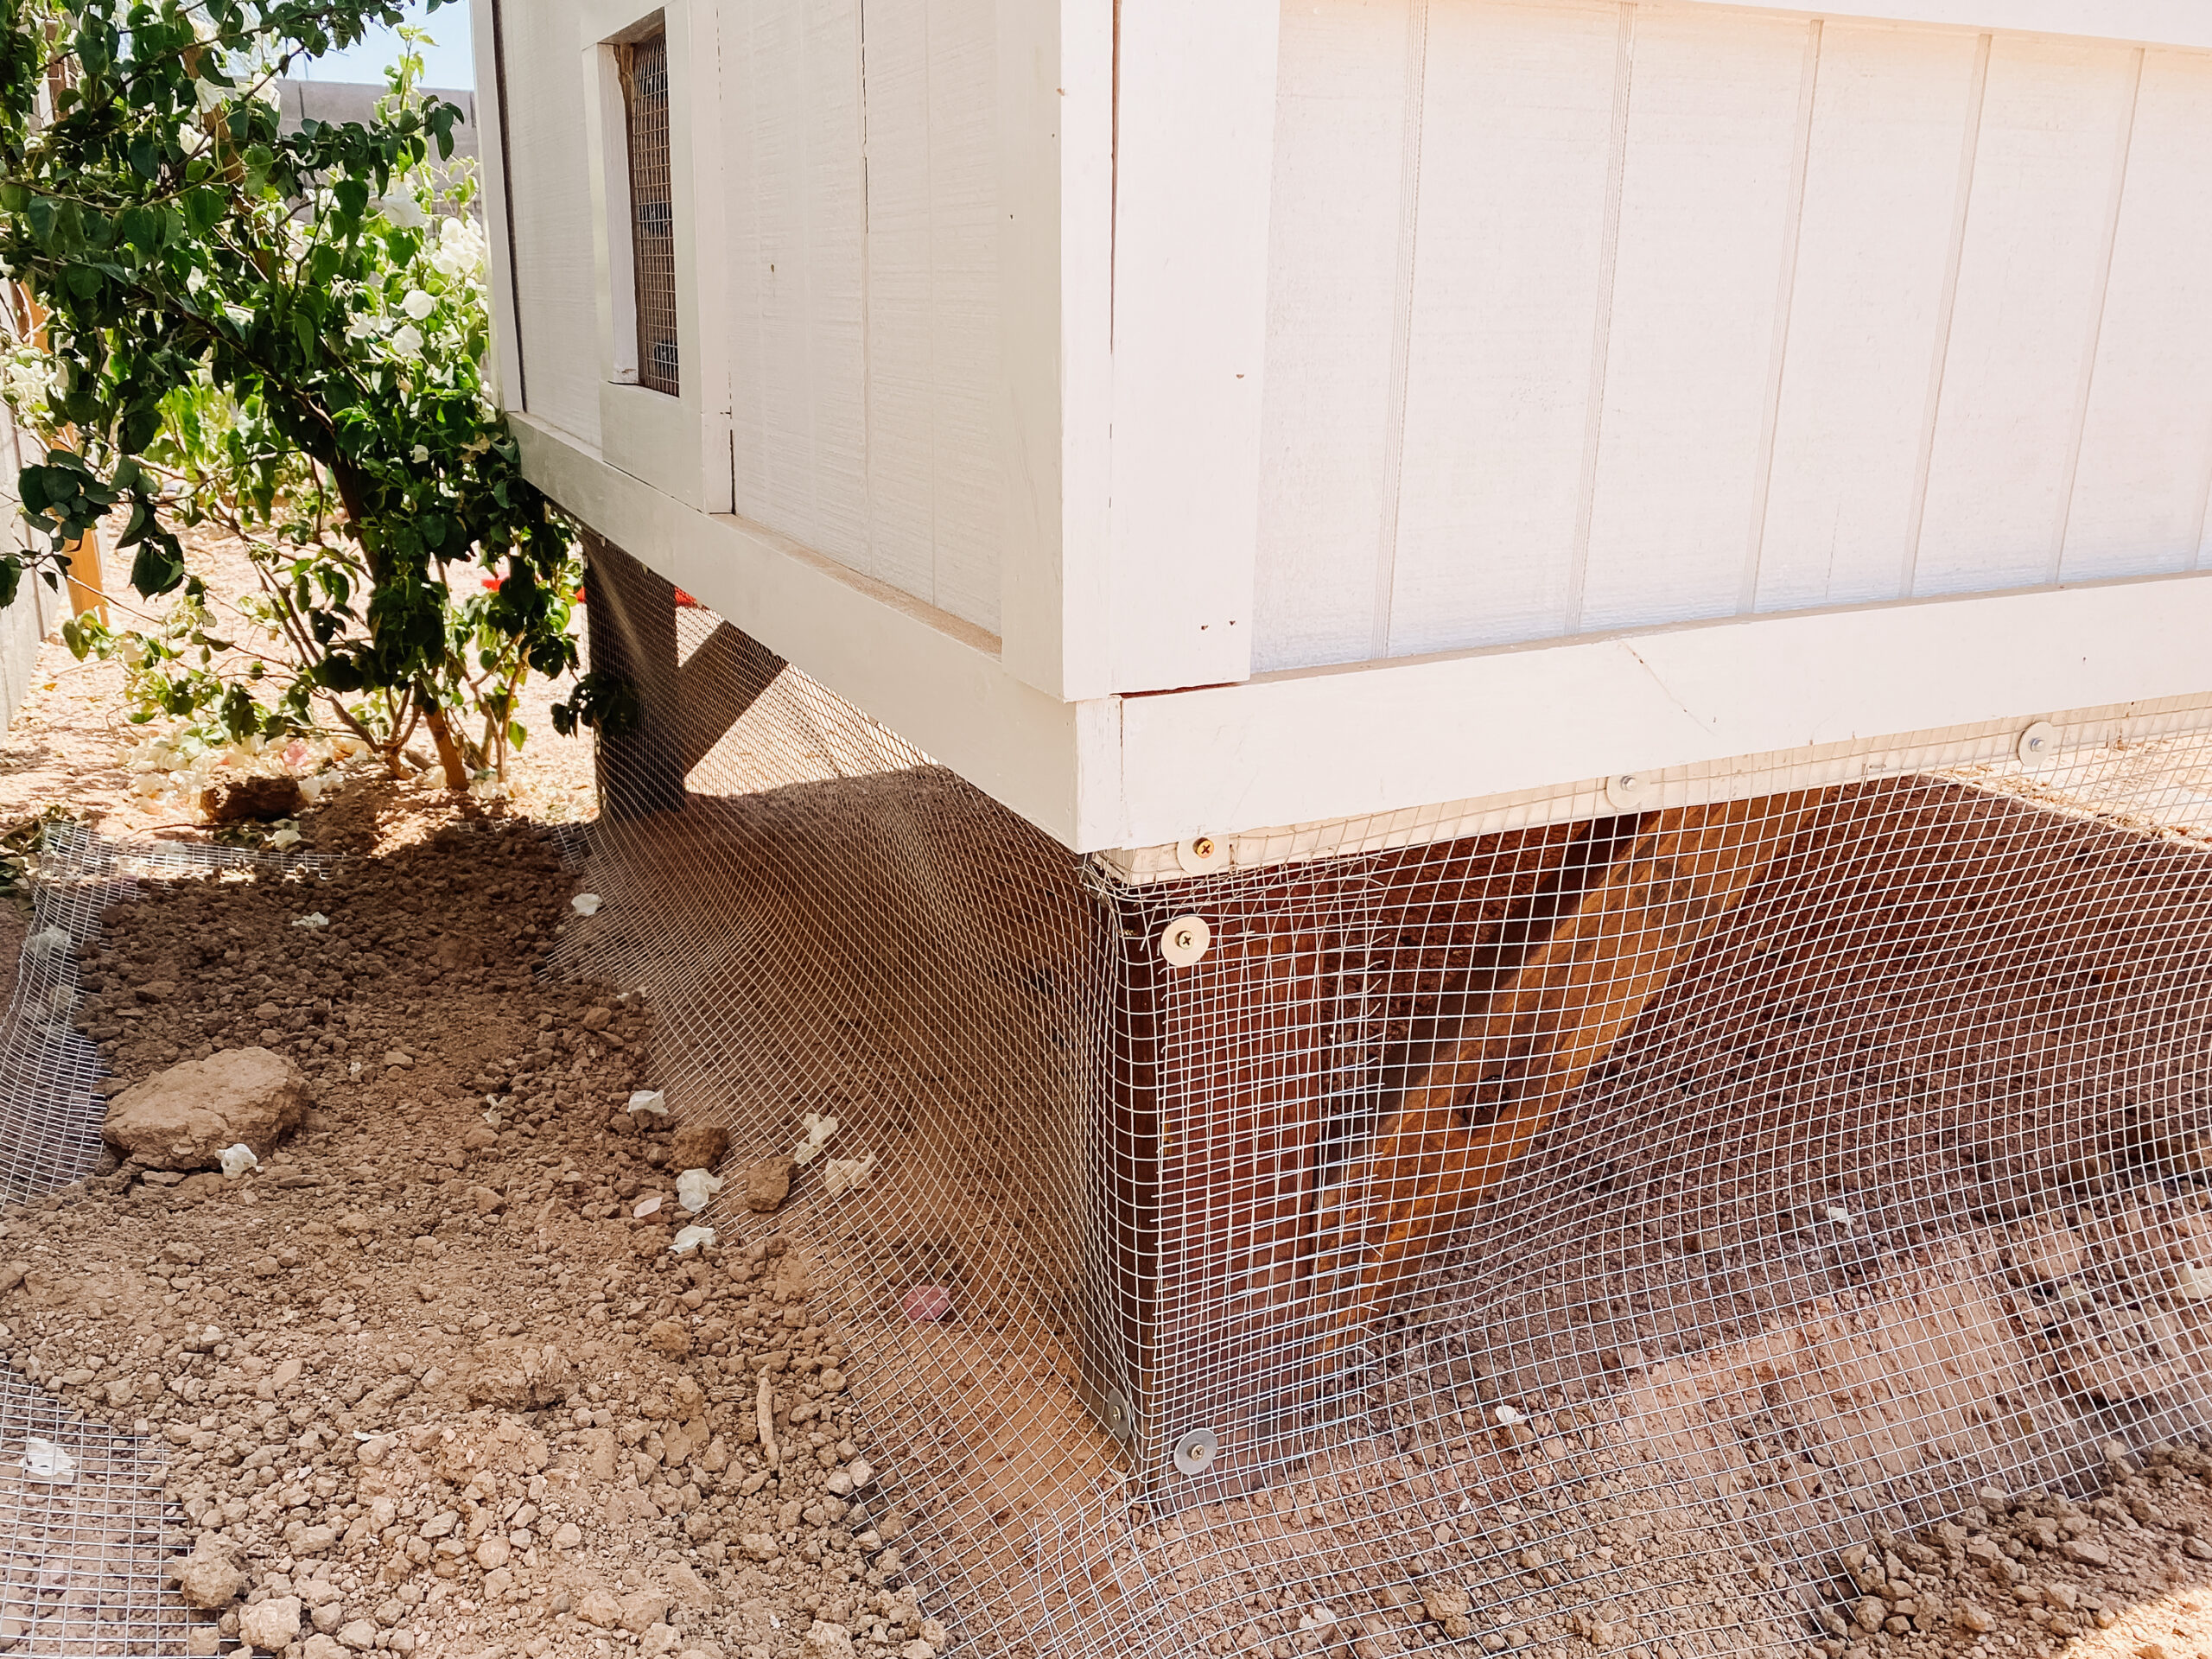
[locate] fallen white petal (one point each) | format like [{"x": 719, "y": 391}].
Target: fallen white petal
[
  {"x": 585, "y": 904},
  {"x": 693, "y": 1187},
  {"x": 691, "y": 1238}
]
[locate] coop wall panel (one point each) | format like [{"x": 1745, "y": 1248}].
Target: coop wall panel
[
  {"x": 556, "y": 294},
  {"x": 1706, "y": 215},
  {"x": 2047, "y": 182},
  {"x": 1587, "y": 316},
  {"x": 1518, "y": 145},
  {"x": 796, "y": 271},
  {"x": 2145, "y": 466},
  {"x": 1892, "y": 118},
  {"x": 863, "y": 199},
  {"x": 1349, "y": 72},
  {"x": 932, "y": 319}
]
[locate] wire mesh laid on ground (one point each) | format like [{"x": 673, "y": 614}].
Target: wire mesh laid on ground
[{"x": 1569, "y": 1236}]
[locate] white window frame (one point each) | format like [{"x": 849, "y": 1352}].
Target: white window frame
[{"x": 679, "y": 444}]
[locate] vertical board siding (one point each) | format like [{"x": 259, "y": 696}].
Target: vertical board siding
[
  {"x": 556, "y": 299},
  {"x": 1333, "y": 233},
  {"x": 2145, "y": 462},
  {"x": 1881, "y": 196},
  {"x": 1517, "y": 146},
  {"x": 1697, "y": 313},
  {"x": 1705, "y": 193},
  {"x": 862, "y": 188},
  {"x": 2054, "y": 129},
  {"x": 791, "y": 101}
]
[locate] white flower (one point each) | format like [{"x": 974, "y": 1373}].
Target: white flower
[
  {"x": 419, "y": 454},
  {"x": 418, "y": 304},
  {"x": 407, "y": 340},
  {"x": 403, "y": 211}
]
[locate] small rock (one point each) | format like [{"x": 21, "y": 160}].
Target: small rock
[
  {"x": 767, "y": 1184},
  {"x": 209, "y": 1580},
  {"x": 642, "y": 1609},
  {"x": 698, "y": 1146},
  {"x": 598, "y": 1019},
  {"x": 925, "y": 1303},
  {"x": 184, "y": 1117},
  {"x": 2149, "y": 1650},
  {"x": 1870, "y": 1612},
  {"x": 760, "y": 1546},
  {"x": 359, "y": 1634},
  {"x": 1968, "y": 1616},
  {"x": 320, "y": 1646},
  {"x": 827, "y": 1641},
  {"x": 2087, "y": 1551},
  {"x": 272, "y": 1625},
  {"x": 568, "y": 1536},
  {"x": 1448, "y": 1605},
  {"x": 669, "y": 1337},
  {"x": 597, "y": 1606}
]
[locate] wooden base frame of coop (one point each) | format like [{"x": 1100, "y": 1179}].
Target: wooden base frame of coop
[{"x": 1273, "y": 1187}]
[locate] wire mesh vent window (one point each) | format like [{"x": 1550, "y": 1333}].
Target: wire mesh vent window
[{"x": 652, "y": 212}]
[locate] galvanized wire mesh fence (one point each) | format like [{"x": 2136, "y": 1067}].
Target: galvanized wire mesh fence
[{"x": 1561, "y": 1222}]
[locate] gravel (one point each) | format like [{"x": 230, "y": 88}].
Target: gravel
[{"x": 423, "y": 1382}]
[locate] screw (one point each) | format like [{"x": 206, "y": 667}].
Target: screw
[
  {"x": 1203, "y": 847},
  {"x": 2035, "y": 742},
  {"x": 1184, "y": 938}
]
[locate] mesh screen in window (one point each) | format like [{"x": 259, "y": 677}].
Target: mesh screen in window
[{"x": 653, "y": 219}]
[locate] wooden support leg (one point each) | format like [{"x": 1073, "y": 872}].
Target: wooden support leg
[
  {"x": 717, "y": 684},
  {"x": 1464, "y": 1123},
  {"x": 632, "y": 614}
]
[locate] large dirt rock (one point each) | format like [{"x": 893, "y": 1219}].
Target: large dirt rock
[{"x": 182, "y": 1118}]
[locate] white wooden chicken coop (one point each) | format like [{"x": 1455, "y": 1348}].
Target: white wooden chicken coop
[
  {"x": 1232, "y": 432},
  {"x": 1180, "y": 419}
]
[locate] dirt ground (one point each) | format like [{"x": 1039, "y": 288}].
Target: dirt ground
[{"x": 431, "y": 1380}]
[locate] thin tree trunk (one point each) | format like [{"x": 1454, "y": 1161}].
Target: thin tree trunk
[{"x": 449, "y": 754}]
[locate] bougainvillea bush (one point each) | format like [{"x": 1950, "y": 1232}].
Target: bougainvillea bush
[{"x": 284, "y": 334}]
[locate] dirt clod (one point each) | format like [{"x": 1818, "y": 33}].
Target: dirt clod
[
  {"x": 767, "y": 1184},
  {"x": 184, "y": 1116}
]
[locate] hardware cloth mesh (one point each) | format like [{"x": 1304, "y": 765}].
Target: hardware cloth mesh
[{"x": 1606, "y": 1208}]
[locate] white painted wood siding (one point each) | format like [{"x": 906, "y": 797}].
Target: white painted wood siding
[
  {"x": 863, "y": 286},
  {"x": 1588, "y": 315},
  {"x": 557, "y": 296}
]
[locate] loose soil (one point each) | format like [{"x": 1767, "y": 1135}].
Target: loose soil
[{"x": 431, "y": 1382}]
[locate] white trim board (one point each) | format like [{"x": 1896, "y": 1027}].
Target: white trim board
[
  {"x": 2141, "y": 22},
  {"x": 1307, "y": 745},
  {"x": 1310, "y": 744},
  {"x": 934, "y": 680}
]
